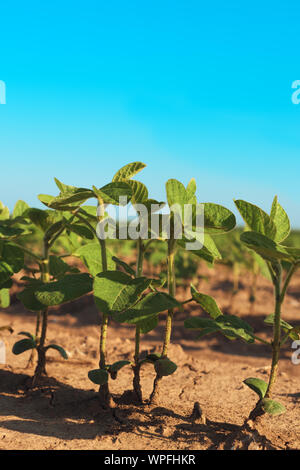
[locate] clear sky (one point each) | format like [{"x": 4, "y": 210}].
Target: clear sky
[{"x": 193, "y": 89}]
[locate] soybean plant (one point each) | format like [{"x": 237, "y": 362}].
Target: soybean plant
[
  {"x": 264, "y": 235},
  {"x": 54, "y": 282},
  {"x": 216, "y": 220},
  {"x": 71, "y": 199}
]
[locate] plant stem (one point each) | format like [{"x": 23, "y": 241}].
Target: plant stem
[
  {"x": 41, "y": 365},
  {"x": 168, "y": 327},
  {"x": 136, "y": 368},
  {"x": 104, "y": 393}
]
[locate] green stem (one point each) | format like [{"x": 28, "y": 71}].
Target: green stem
[
  {"x": 168, "y": 327},
  {"x": 41, "y": 365},
  {"x": 136, "y": 368},
  {"x": 276, "y": 332},
  {"x": 104, "y": 392}
]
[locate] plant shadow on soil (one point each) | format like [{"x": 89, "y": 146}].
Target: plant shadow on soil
[{"x": 57, "y": 410}]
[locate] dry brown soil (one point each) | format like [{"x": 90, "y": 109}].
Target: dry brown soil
[{"x": 64, "y": 413}]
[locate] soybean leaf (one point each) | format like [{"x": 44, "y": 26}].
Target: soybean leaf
[
  {"x": 115, "y": 291},
  {"x": 4, "y": 298},
  {"x": 257, "y": 385},
  {"x": 139, "y": 192},
  {"x": 229, "y": 325},
  {"x": 20, "y": 209},
  {"x": 98, "y": 376},
  {"x": 128, "y": 171},
  {"x": 23, "y": 345},
  {"x": 70, "y": 287},
  {"x": 287, "y": 328},
  {"x": 124, "y": 265},
  {"x": 116, "y": 366},
  {"x": 217, "y": 219},
  {"x": 42, "y": 219},
  {"x": 13, "y": 255},
  {"x": 191, "y": 190},
  {"x": 90, "y": 254},
  {"x": 148, "y": 324},
  {"x": 165, "y": 367},
  {"x": 59, "y": 268},
  {"x": 69, "y": 199},
  {"x": 9, "y": 233},
  {"x": 26, "y": 333},
  {"x": 268, "y": 249},
  {"x": 281, "y": 221},
  {"x": 111, "y": 192},
  {"x": 152, "y": 304},
  {"x": 207, "y": 303},
  {"x": 81, "y": 230},
  {"x": 4, "y": 212},
  {"x": 176, "y": 193},
  {"x": 272, "y": 407},
  {"x": 256, "y": 219},
  {"x": 6, "y": 271},
  {"x": 28, "y": 299},
  {"x": 61, "y": 350}
]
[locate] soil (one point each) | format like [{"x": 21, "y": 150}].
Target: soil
[{"x": 63, "y": 412}]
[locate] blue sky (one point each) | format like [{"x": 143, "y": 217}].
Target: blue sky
[{"x": 193, "y": 89}]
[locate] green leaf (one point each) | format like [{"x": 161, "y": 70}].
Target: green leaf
[
  {"x": 58, "y": 267},
  {"x": 26, "y": 333},
  {"x": 81, "y": 230},
  {"x": 23, "y": 345},
  {"x": 14, "y": 256},
  {"x": 229, "y": 325},
  {"x": 72, "y": 198},
  {"x": 207, "y": 303},
  {"x": 6, "y": 271},
  {"x": 268, "y": 249},
  {"x": 217, "y": 219},
  {"x": 111, "y": 192},
  {"x": 124, "y": 265},
  {"x": 272, "y": 407},
  {"x": 139, "y": 192},
  {"x": 176, "y": 193},
  {"x": 257, "y": 385},
  {"x": 115, "y": 291},
  {"x": 116, "y": 366},
  {"x": 20, "y": 209},
  {"x": 4, "y": 298},
  {"x": 69, "y": 288},
  {"x": 61, "y": 350},
  {"x": 287, "y": 328},
  {"x": 90, "y": 254},
  {"x": 281, "y": 221},
  {"x": 128, "y": 171},
  {"x": 4, "y": 212},
  {"x": 191, "y": 190},
  {"x": 165, "y": 367},
  {"x": 152, "y": 304},
  {"x": 9, "y": 233},
  {"x": 256, "y": 219},
  {"x": 148, "y": 324},
  {"x": 28, "y": 299},
  {"x": 98, "y": 376}
]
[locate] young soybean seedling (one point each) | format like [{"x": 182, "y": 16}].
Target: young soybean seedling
[
  {"x": 71, "y": 199},
  {"x": 265, "y": 234},
  {"x": 56, "y": 284},
  {"x": 216, "y": 219}
]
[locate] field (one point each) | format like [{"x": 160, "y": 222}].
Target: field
[{"x": 145, "y": 344}]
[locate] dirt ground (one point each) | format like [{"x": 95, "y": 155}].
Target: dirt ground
[{"x": 64, "y": 412}]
